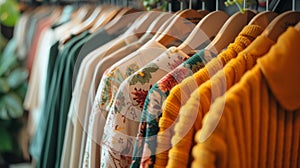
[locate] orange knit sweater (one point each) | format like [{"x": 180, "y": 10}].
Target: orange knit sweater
[
  {"x": 259, "y": 125},
  {"x": 180, "y": 93},
  {"x": 191, "y": 114}
]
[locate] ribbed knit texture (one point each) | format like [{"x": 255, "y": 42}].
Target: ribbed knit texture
[
  {"x": 201, "y": 99},
  {"x": 181, "y": 93},
  {"x": 259, "y": 125}
]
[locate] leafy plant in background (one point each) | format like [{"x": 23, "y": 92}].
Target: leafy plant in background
[
  {"x": 9, "y": 12},
  {"x": 151, "y": 4},
  {"x": 12, "y": 92},
  {"x": 239, "y": 3},
  {"x": 12, "y": 84}
]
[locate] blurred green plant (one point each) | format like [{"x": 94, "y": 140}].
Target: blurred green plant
[
  {"x": 13, "y": 84},
  {"x": 151, "y": 4},
  {"x": 239, "y": 3},
  {"x": 9, "y": 12},
  {"x": 3, "y": 41}
]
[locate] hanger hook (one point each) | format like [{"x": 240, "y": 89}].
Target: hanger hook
[
  {"x": 217, "y": 5},
  {"x": 170, "y": 6},
  {"x": 203, "y": 5},
  {"x": 293, "y": 5},
  {"x": 267, "y": 5},
  {"x": 244, "y": 4},
  {"x": 181, "y": 5},
  {"x": 190, "y": 4}
]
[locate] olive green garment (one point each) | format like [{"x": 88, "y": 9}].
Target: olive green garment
[
  {"x": 49, "y": 150},
  {"x": 66, "y": 97},
  {"x": 36, "y": 142},
  {"x": 95, "y": 41},
  {"x": 53, "y": 77}
]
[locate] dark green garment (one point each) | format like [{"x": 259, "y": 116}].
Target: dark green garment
[
  {"x": 41, "y": 132},
  {"x": 52, "y": 59},
  {"x": 76, "y": 57},
  {"x": 52, "y": 108},
  {"x": 95, "y": 41},
  {"x": 35, "y": 146},
  {"x": 66, "y": 97}
]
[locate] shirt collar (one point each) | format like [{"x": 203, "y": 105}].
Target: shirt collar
[{"x": 281, "y": 68}]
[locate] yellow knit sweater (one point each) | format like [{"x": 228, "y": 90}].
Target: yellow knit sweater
[
  {"x": 259, "y": 125},
  {"x": 201, "y": 99},
  {"x": 180, "y": 93}
]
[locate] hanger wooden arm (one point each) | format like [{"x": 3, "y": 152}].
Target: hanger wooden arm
[
  {"x": 158, "y": 23},
  {"x": 121, "y": 20},
  {"x": 145, "y": 22},
  {"x": 230, "y": 31},
  {"x": 180, "y": 26},
  {"x": 203, "y": 12},
  {"x": 297, "y": 27},
  {"x": 105, "y": 18},
  {"x": 82, "y": 27},
  {"x": 89, "y": 22},
  {"x": 281, "y": 23},
  {"x": 205, "y": 30},
  {"x": 263, "y": 19}
]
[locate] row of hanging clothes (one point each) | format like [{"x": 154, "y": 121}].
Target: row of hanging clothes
[{"x": 121, "y": 87}]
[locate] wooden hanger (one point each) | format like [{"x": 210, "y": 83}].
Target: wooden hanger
[
  {"x": 207, "y": 28},
  {"x": 76, "y": 18},
  {"x": 203, "y": 12},
  {"x": 167, "y": 22},
  {"x": 88, "y": 23},
  {"x": 120, "y": 21},
  {"x": 281, "y": 23},
  {"x": 61, "y": 19},
  {"x": 80, "y": 14},
  {"x": 105, "y": 18},
  {"x": 57, "y": 14},
  {"x": 181, "y": 25},
  {"x": 297, "y": 27},
  {"x": 144, "y": 23},
  {"x": 158, "y": 23},
  {"x": 230, "y": 30},
  {"x": 263, "y": 19}
]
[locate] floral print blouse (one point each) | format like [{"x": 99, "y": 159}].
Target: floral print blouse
[
  {"x": 108, "y": 87},
  {"x": 145, "y": 148},
  {"x": 123, "y": 118}
]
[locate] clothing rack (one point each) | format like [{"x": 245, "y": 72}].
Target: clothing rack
[
  {"x": 147, "y": 91},
  {"x": 277, "y": 6}
]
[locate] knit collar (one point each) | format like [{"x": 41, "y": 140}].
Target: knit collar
[{"x": 281, "y": 68}]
